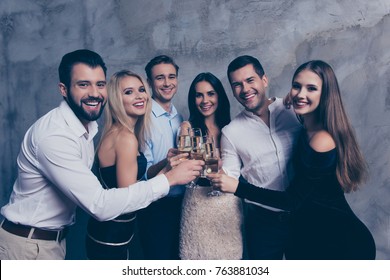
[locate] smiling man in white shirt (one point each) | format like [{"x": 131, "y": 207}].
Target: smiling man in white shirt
[
  {"x": 54, "y": 169},
  {"x": 263, "y": 157}
]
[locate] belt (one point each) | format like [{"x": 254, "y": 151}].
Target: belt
[{"x": 34, "y": 233}]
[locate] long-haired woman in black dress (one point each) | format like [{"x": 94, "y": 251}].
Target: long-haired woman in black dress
[{"x": 120, "y": 161}]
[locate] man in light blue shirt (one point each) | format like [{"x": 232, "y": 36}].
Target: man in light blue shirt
[
  {"x": 162, "y": 139},
  {"x": 159, "y": 223}
]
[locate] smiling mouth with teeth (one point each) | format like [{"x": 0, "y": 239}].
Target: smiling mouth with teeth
[
  {"x": 92, "y": 104},
  {"x": 139, "y": 104},
  {"x": 167, "y": 89},
  {"x": 247, "y": 97},
  {"x": 300, "y": 103}
]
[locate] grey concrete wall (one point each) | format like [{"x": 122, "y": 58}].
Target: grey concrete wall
[{"x": 205, "y": 35}]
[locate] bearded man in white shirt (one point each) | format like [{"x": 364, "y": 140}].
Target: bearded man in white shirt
[
  {"x": 54, "y": 169},
  {"x": 258, "y": 146}
]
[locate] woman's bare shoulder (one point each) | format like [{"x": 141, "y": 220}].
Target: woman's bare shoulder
[
  {"x": 125, "y": 138},
  {"x": 322, "y": 141}
]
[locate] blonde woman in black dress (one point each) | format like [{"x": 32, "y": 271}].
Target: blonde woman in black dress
[{"x": 120, "y": 161}]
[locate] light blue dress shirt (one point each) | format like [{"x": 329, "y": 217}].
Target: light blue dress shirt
[{"x": 162, "y": 137}]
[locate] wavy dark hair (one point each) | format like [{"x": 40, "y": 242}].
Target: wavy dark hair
[
  {"x": 222, "y": 114},
  {"x": 351, "y": 166}
]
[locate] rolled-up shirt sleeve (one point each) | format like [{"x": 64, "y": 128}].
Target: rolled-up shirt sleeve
[{"x": 231, "y": 162}]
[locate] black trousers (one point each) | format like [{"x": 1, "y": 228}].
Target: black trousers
[
  {"x": 266, "y": 233},
  {"x": 159, "y": 229}
]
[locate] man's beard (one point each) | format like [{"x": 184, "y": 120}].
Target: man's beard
[{"x": 83, "y": 114}]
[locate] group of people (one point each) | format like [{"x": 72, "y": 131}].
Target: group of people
[{"x": 285, "y": 166}]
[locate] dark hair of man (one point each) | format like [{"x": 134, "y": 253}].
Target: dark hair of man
[
  {"x": 242, "y": 61},
  {"x": 84, "y": 56},
  {"x": 161, "y": 59},
  {"x": 222, "y": 114}
]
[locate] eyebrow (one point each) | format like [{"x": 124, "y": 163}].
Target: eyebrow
[
  {"x": 88, "y": 81},
  {"x": 245, "y": 79},
  {"x": 236, "y": 83},
  {"x": 309, "y": 85},
  {"x": 163, "y": 75}
]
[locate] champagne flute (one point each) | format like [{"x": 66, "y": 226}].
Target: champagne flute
[
  {"x": 196, "y": 150},
  {"x": 211, "y": 158},
  {"x": 196, "y": 138},
  {"x": 183, "y": 141}
]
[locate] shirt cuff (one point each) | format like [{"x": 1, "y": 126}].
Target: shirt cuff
[
  {"x": 229, "y": 173},
  {"x": 160, "y": 186}
]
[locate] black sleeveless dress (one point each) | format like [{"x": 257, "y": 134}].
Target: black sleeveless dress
[
  {"x": 110, "y": 240},
  {"x": 323, "y": 226}
]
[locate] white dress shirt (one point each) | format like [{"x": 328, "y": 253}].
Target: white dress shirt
[
  {"x": 54, "y": 177},
  {"x": 163, "y": 137},
  {"x": 261, "y": 154}
]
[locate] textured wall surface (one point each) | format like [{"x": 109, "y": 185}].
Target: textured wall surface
[{"x": 205, "y": 35}]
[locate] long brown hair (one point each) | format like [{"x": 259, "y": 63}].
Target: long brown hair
[
  {"x": 222, "y": 114},
  {"x": 351, "y": 166}
]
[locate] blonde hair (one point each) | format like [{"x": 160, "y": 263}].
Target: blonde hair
[{"x": 115, "y": 117}]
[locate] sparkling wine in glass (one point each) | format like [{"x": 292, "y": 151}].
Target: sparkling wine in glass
[
  {"x": 183, "y": 141},
  {"x": 211, "y": 163},
  {"x": 196, "y": 150},
  {"x": 196, "y": 138},
  {"x": 211, "y": 158}
]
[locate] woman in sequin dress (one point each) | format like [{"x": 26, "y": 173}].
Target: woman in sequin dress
[{"x": 210, "y": 225}]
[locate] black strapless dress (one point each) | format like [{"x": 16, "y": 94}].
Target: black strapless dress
[{"x": 110, "y": 240}]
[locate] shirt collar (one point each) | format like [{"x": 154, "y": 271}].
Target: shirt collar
[
  {"x": 159, "y": 111},
  {"x": 75, "y": 124}
]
